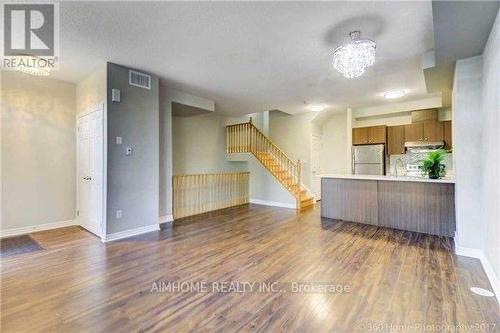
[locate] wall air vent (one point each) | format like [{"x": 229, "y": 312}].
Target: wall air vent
[{"x": 139, "y": 79}]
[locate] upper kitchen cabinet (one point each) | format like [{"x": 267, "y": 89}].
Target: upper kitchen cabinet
[
  {"x": 377, "y": 134},
  {"x": 396, "y": 140},
  {"x": 414, "y": 132},
  {"x": 447, "y": 134},
  {"x": 433, "y": 130},
  {"x": 369, "y": 135},
  {"x": 360, "y": 136},
  {"x": 429, "y": 130}
]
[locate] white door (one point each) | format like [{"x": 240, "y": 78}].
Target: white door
[
  {"x": 90, "y": 171},
  {"x": 315, "y": 166}
]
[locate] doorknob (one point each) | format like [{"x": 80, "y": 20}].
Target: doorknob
[{"x": 87, "y": 178}]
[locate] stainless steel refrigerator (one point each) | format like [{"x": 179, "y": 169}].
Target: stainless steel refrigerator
[{"x": 368, "y": 160}]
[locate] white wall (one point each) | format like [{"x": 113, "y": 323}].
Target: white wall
[
  {"x": 293, "y": 135},
  {"x": 490, "y": 158},
  {"x": 476, "y": 124},
  {"x": 334, "y": 143},
  {"x": 91, "y": 91},
  {"x": 389, "y": 120},
  {"x": 38, "y": 150},
  {"x": 467, "y": 132}
]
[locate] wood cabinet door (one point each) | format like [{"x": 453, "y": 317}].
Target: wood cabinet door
[
  {"x": 447, "y": 134},
  {"x": 396, "y": 140},
  {"x": 414, "y": 132},
  {"x": 433, "y": 130},
  {"x": 360, "y": 136},
  {"x": 377, "y": 134}
]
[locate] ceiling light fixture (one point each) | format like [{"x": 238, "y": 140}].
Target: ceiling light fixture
[
  {"x": 32, "y": 65},
  {"x": 317, "y": 108},
  {"x": 353, "y": 58},
  {"x": 393, "y": 94}
]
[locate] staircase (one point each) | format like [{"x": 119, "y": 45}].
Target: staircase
[{"x": 246, "y": 138}]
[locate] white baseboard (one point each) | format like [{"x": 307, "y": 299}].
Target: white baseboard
[
  {"x": 166, "y": 219},
  {"x": 130, "y": 233},
  {"x": 273, "y": 203},
  {"x": 34, "y": 228},
  {"x": 479, "y": 254}
]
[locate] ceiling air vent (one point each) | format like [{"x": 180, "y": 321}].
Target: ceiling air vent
[{"x": 139, "y": 79}]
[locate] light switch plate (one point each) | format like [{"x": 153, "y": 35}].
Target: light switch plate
[
  {"x": 119, "y": 214},
  {"x": 115, "y": 95},
  {"x": 119, "y": 140}
]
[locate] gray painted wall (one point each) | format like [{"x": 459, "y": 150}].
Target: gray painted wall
[
  {"x": 133, "y": 181},
  {"x": 199, "y": 145},
  {"x": 165, "y": 155}
]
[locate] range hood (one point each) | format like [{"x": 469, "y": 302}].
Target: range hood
[{"x": 424, "y": 144}]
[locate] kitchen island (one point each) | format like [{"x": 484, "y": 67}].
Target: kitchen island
[{"x": 406, "y": 203}]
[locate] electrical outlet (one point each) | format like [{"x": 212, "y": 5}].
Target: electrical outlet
[
  {"x": 119, "y": 214},
  {"x": 128, "y": 151}
]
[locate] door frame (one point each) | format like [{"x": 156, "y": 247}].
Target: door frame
[{"x": 99, "y": 107}]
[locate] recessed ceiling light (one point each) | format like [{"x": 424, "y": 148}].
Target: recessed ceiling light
[
  {"x": 393, "y": 94},
  {"x": 317, "y": 108},
  {"x": 482, "y": 292}
]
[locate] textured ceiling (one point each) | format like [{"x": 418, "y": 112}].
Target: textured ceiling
[{"x": 251, "y": 56}]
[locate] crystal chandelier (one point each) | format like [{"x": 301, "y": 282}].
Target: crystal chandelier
[
  {"x": 32, "y": 65},
  {"x": 351, "y": 59}
]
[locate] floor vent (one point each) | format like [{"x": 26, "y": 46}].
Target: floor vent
[{"x": 139, "y": 79}]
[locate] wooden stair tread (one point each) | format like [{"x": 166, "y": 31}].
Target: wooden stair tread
[
  {"x": 306, "y": 198},
  {"x": 286, "y": 171}
]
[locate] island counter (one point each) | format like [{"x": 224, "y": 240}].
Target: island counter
[{"x": 414, "y": 204}]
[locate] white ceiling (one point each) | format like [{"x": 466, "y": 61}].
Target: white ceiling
[{"x": 251, "y": 56}]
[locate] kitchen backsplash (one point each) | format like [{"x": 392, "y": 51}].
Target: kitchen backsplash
[{"x": 391, "y": 163}]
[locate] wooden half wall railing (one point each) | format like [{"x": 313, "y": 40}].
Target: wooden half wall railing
[
  {"x": 246, "y": 138},
  {"x": 200, "y": 193}
]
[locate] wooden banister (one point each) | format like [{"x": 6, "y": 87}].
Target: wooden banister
[
  {"x": 199, "y": 193},
  {"x": 247, "y": 138}
]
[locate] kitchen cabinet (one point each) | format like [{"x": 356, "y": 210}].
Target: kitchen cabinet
[
  {"x": 414, "y": 132},
  {"x": 447, "y": 134},
  {"x": 369, "y": 135},
  {"x": 430, "y": 130},
  {"x": 433, "y": 130},
  {"x": 360, "y": 136},
  {"x": 396, "y": 140},
  {"x": 377, "y": 134}
]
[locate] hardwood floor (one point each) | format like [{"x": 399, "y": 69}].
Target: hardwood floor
[{"x": 390, "y": 279}]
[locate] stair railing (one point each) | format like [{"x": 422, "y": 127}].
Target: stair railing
[{"x": 247, "y": 138}]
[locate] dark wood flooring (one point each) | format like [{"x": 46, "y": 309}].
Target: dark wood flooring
[{"x": 392, "y": 280}]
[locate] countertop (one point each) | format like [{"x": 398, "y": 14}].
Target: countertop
[{"x": 390, "y": 178}]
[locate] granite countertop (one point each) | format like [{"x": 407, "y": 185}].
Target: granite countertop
[{"x": 446, "y": 180}]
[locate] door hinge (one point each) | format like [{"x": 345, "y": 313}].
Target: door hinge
[{"x": 77, "y": 213}]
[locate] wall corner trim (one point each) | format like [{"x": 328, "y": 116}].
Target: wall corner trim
[
  {"x": 166, "y": 219},
  {"x": 35, "y": 228},
  {"x": 130, "y": 233},
  {"x": 490, "y": 273},
  {"x": 273, "y": 203}
]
